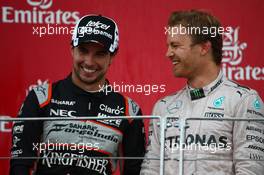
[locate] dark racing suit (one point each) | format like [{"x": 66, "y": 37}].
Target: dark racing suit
[{"x": 68, "y": 147}]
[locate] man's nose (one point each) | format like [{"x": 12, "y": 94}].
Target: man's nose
[
  {"x": 89, "y": 59},
  {"x": 169, "y": 53}
]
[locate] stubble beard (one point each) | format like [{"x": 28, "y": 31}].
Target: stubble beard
[{"x": 87, "y": 81}]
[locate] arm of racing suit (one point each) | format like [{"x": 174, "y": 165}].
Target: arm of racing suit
[
  {"x": 133, "y": 141},
  {"x": 248, "y": 137},
  {"x": 25, "y": 135},
  {"x": 151, "y": 167}
]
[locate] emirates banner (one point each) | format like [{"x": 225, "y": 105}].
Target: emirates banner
[{"x": 36, "y": 36}]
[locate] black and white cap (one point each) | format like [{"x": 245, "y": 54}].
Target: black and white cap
[{"x": 96, "y": 28}]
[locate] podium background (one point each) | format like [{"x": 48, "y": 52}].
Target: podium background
[{"x": 28, "y": 59}]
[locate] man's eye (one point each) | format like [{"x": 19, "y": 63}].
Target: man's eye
[
  {"x": 174, "y": 46},
  {"x": 102, "y": 53},
  {"x": 82, "y": 50}
]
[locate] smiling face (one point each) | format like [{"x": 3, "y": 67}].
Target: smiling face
[
  {"x": 185, "y": 56},
  {"x": 90, "y": 64}
]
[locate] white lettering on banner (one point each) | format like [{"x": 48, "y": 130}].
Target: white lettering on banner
[
  {"x": 232, "y": 49},
  {"x": 244, "y": 73},
  {"x": 43, "y": 4},
  {"x": 38, "y": 14},
  {"x": 232, "y": 57},
  {"x": 4, "y": 125}
]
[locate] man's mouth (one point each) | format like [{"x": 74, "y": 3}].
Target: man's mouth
[
  {"x": 175, "y": 62},
  {"x": 88, "y": 70}
]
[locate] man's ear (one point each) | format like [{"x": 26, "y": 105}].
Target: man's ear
[
  {"x": 205, "y": 47},
  {"x": 111, "y": 59},
  {"x": 72, "y": 50},
  {"x": 112, "y": 56}
]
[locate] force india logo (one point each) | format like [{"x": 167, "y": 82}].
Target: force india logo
[
  {"x": 84, "y": 130},
  {"x": 232, "y": 57}
]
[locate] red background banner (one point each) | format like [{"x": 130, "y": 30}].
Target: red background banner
[{"x": 30, "y": 57}]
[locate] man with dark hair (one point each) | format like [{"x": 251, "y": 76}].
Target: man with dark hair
[
  {"x": 211, "y": 146},
  {"x": 74, "y": 147}
]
